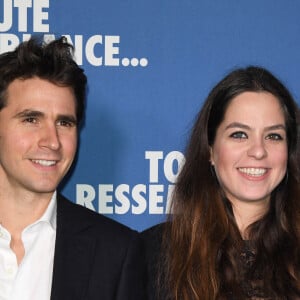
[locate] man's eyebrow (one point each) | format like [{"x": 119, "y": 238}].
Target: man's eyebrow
[{"x": 29, "y": 113}]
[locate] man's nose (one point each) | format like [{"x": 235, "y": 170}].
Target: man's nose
[{"x": 50, "y": 137}]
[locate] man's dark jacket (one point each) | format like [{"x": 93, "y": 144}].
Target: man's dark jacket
[{"x": 95, "y": 257}]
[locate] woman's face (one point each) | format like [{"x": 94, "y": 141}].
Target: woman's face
[{"x": 249, "y": 153}]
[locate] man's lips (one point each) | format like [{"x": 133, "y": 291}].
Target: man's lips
[{"x": 44, "y": 162}]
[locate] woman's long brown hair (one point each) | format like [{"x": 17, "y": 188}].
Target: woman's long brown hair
[{"x": 202, "y": 243}]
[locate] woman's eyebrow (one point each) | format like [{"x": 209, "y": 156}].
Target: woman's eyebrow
[
  {"x": 244, "y": 126},
  {"x": 276, "y": 127},
  {"x": 237, "y": 125}
]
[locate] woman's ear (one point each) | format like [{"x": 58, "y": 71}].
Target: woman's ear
[{"x": 211, "y": 159}]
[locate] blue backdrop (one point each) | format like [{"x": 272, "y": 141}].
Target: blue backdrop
[{"x": 150, "y": 65}]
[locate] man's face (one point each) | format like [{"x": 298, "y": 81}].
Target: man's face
[{"x": 38, "y": 136}]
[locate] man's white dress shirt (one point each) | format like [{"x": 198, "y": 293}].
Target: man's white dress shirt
[{"x": 32, "y": 279}]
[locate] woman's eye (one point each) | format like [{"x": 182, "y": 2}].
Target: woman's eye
[
  {"x": 274, "y": 137},
  {"x": 239, "y": 135}
]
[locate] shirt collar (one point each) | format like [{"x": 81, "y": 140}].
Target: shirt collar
[{"x": 49, "y": 215}]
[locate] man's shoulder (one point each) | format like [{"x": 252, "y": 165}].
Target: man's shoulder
[
  {"x": 152, "y": 237},
  {"x": 78, "y": 217},
  {"x": 154, "y": 232}
]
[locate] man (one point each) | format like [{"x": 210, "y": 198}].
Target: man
[{"x": 51, "y": 248}]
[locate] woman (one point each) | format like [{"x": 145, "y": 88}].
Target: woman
[{"x": 234, "y": 232}]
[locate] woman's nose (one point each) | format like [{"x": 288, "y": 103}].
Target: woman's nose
[{"x": 257, "y": 150}]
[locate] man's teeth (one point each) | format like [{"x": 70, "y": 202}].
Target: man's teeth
[
  {"x": 46, "y": 163},
  {"x": 253, "y": 171}
]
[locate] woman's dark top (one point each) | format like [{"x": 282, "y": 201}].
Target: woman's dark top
[{"x": 152, "y": 237}]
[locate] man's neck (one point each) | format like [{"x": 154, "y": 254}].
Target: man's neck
[{"x": 19, "y": 211}]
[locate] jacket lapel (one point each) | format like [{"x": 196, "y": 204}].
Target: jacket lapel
[{"x": 74, "y": 254}]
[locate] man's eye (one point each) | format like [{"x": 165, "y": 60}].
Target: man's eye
[
  {"x": 274, "y": 137},
  {"x": 239, "y": 135},
  {"x": 66, "y": 123},
  {"x": 30, "y": 120}
]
